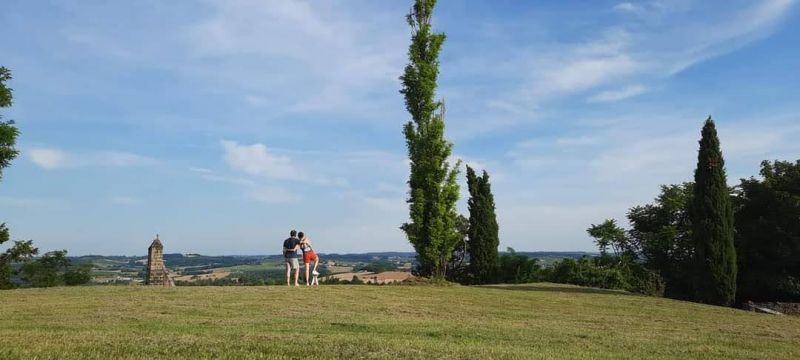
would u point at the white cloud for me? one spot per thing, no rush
(627, 7)
(257, 160)
(48, 158)
(200, 170)
(617, 95)
(52, 158)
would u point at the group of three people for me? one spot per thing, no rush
(299, 241)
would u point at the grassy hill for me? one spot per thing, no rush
(526, 321)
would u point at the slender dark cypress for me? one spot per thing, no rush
(483, 229)
(712, 224)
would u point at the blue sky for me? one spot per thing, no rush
(223, 124)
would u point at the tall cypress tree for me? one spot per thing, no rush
(712, 224)
(433, 190)
(483, 229)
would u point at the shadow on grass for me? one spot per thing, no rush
(568, 289)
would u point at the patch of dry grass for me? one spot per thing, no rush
(526, 321)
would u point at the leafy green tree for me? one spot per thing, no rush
(433, 190)
(609, 235)
(768, 234)
(21, 250)
(517, 268)
(713, 224)
(483, 229)
(47, 270)
(661, 237)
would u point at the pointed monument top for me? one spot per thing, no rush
(157, 242)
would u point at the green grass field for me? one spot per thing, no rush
(526, 321)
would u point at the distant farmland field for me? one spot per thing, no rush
(524, 321)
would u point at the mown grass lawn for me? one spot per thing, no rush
(525, 321)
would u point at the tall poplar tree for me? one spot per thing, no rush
(483, 229)
(712, 224)
(433, 190)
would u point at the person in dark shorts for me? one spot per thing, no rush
(290, 247)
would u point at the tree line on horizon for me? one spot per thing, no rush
(700, 241)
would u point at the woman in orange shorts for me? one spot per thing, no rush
(308, 255)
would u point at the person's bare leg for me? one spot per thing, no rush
(316, 262)
(306, 265)
(296, 276)
(288, 274)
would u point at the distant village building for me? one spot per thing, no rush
(156, 271)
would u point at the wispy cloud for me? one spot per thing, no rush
(49, 158)
(628, 59)
(619, 94)
(332, 58)
(627, 7)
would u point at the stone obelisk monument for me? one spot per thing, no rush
(156, 271)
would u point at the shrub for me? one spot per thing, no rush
(606, 272)
(78, 275)
(515, 268)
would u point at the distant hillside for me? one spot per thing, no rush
(262, 268)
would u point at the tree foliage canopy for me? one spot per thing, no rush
(661, 236)
(768, 233)
(609, 235)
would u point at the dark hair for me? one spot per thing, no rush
(301, 235)
(293, 233)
